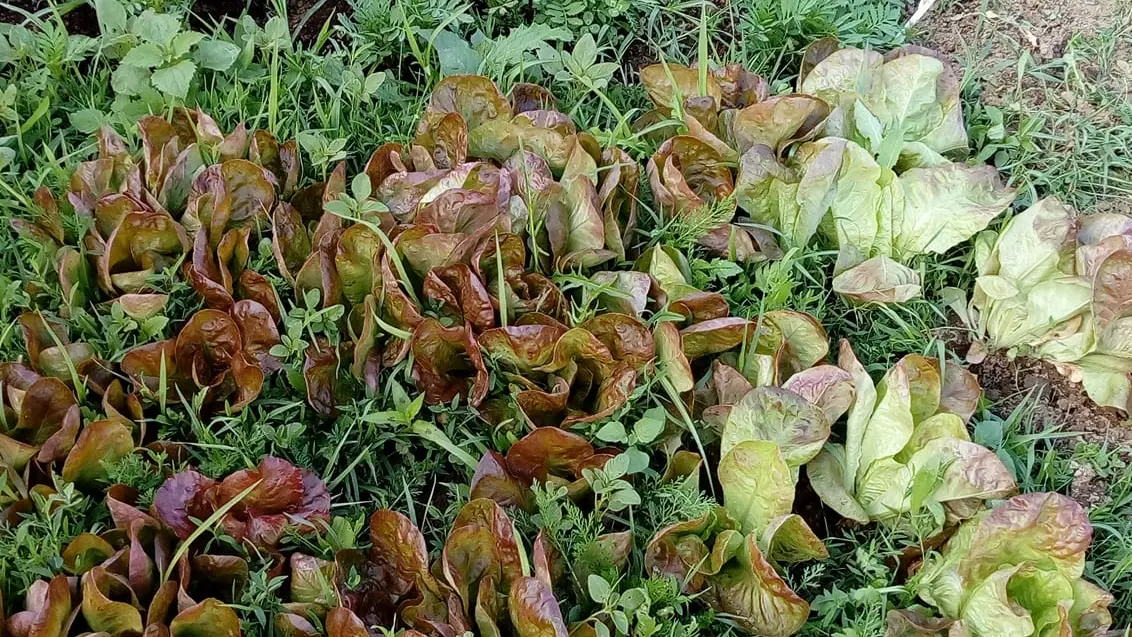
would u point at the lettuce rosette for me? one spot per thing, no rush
(1013, 570)
(710, 125)
(905, 101)
(482, 582)
(147, 211)
(448, 239)
(766, 433)
(43, 426)
(1055, 286)
(876, 184)
(137, 578)
(909, 430)
(225, 355)
(711, 557)
(266, 502)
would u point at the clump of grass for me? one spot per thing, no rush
(1056, 127)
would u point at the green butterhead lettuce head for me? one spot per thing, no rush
(872, 180)
(1058, 287)
(902, 432)
(732, 572)
(910, 94)
(797, 427)
(879, 220)
(1017, 570)
(756, 482)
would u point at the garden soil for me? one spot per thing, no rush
(310, 15)
(81, 20)
(1040, 27)
(1058, 405)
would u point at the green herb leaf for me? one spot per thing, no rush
(175, 80)
(144, 56)
(216, 55)
(157, 28)
(599, 588)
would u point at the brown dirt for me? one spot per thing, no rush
(1058, 405)
(1061, 404)
(989, 44)
(83, 20)
(79, 21)
(1117, 206)
(297, 10)
(638, 56)
(206, 13)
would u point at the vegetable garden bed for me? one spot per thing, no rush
(428, 319)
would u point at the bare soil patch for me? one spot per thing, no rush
(315, 13)
(1060, 403)
(81, 20)
(988, 44)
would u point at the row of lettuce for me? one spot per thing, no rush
(445, 252)
(856, 160)
(1014, 569)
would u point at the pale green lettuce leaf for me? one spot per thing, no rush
(827, 476)
(878, 280)
(917, 97)
(988, 609)
(795, 425)
(938, 426)
(890, 426)
(1107, 387)
(757, 486)
(749, 589)
(1089, 614)
(904, 97)
(859, 414)
(947, 204)
(841, 187)
(839, 79)
(911, 93)
(961, 470)
(1031, 247)
(941, 585)
(768, 192)
(1024, 319)
(882, 487)
(1046, 596)
(663, 266)
(671, 362)
(787, 538)
(918, 155)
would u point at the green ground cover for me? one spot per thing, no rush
(359, 314)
